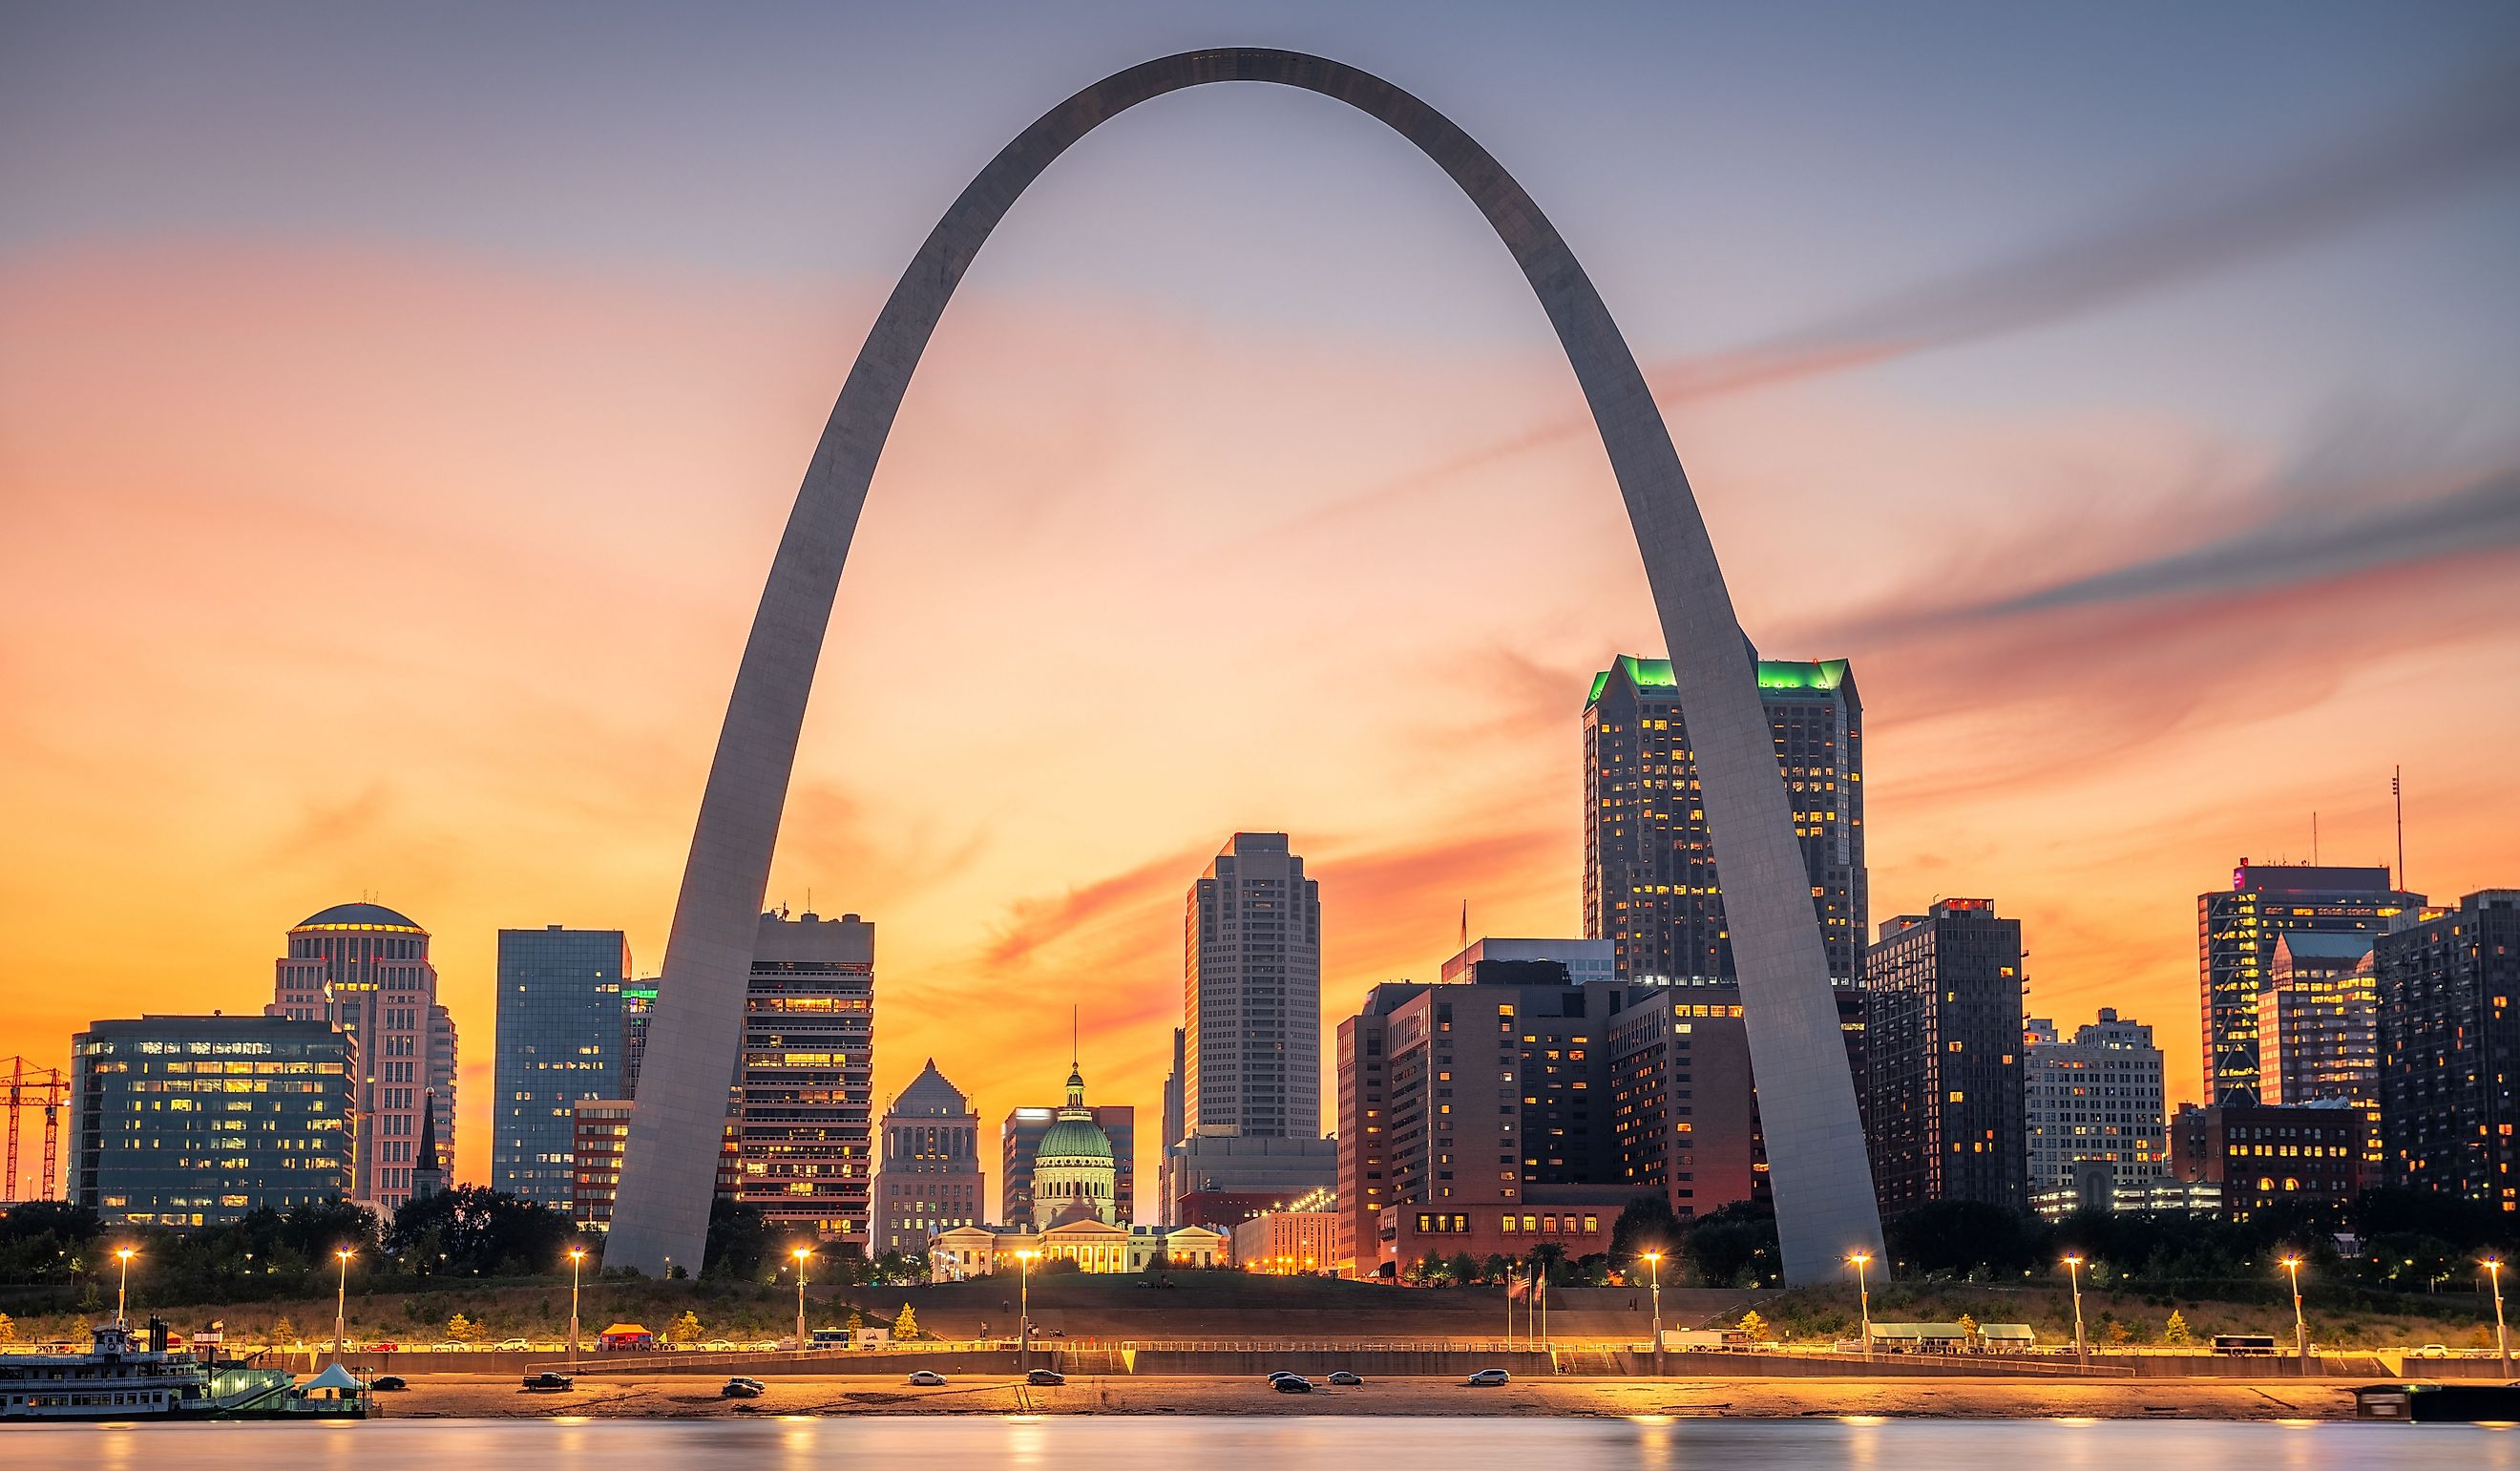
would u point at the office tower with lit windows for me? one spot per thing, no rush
(2094, 1100)
(1942, 1003)
(2318, 1028)
(1650, 886)
(2449, 1048)
(1251, 994)
(929, 1178)
(804, 1130)
(560, 1040)
(2236, 929)
(366, 969)
(638, 1004)
(183, 1121)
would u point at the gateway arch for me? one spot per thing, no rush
(1822, 1181)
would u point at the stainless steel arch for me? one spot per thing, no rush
(1822, 1181)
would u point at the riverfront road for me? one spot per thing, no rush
(682, 1396)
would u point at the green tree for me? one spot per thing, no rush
(685, 1330)
(1968, 1327)
(2175, 1332)
(8, 1328)
(285, 1331)
(2116, 1335)
(1497, 1268)
(1755, 1326)
(905, 1323)
(462, 1329)
(477, 1231)
(1646, 1224)
(1466, 1268)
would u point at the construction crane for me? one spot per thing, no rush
(44, 1088)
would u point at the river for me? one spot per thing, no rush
(1066, 1443)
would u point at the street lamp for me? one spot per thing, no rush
(340, 1297)
(2074, 1275)
(2300, 1329)
(122, 1292)
(576, 1255)
(1863, 1297)
(2501, 1344)
(1023, 1309)
(1654, 1275)
(802, 1254)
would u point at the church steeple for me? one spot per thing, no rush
(427, 1176)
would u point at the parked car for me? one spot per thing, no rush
(1050, 1377)
(740, 1387)
(388, 1383)
(1346, 1379)
(1488, 1379)
(515, 1346)
(717, 1346)
(450, 1347)
(549, 1381)
(1291, 1384)
(2430, 1351)
(387, 1347)
(927, 1379)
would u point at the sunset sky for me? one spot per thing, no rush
(398, 412)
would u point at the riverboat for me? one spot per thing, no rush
(122, 1377)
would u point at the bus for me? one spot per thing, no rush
(830, 1338)
(2245, 1345)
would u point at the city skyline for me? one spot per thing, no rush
(2153, 782)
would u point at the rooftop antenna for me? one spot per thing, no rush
(1075, 1046)
(1465, 925)
(2397, 796)
(2314, 839)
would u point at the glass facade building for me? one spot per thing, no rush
(560, 1041)
(2236, 931)
(188, 1121)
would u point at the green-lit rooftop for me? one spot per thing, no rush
(1773, 674)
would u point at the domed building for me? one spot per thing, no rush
(1073, 1173)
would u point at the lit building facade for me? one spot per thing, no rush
(2318, 1028)
(804, 1127)
(1251, 994)
(185, 1121)
(2449, 1048)
(1020, 1138)
(2261, 1155)
(2236, 931)
(1095, 1246)
(1942, 1016)
(929, 1178)
(598, 1130)
(560, 1040)
(2098, 1097)
(638, 1004)
(1287, 1243)
(366, 969)
(1650, 886)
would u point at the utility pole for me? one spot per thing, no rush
(2398, 798)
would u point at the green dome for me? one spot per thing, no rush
(1075, 1138)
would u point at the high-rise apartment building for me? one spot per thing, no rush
(188, 1120)
(1364, 1128)
(804, 1125)
(1251, 994)
(2236, 931)
(600, 1129)
(2099, 1098)
(366, 969)
(930, 1177)
(560, 1040)
(2449, 1048)
(638, 1004)
(1649, 881)
(1943, 998)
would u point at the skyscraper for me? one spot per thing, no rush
(2318, 1029)
(1251, 994)
(804, 1126)
(2095, 1098)
(366, 969)
(560, 1040)
(930, 1177)
(1650, 881)
(203, 1120)
(638, 1004)
(2449, 1048)
(1943, 994)
(2235, 938)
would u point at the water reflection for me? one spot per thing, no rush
(1167, 1444)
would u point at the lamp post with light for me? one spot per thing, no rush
(341, 1296)
(576, 1255)
(2074, 1275)
(2300, 1328)
(802, 1255)
(1653, 1285)
(1863, 1297)
(122, 1292)
(2501, 1344)
(1023, 1309)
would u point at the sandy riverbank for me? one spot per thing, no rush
(673, 1396)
